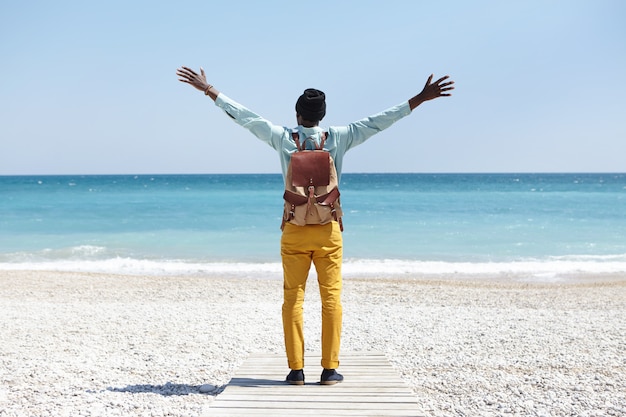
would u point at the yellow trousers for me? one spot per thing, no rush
(322, 245)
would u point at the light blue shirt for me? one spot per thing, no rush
(340, 139)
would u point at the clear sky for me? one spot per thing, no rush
(89, 87)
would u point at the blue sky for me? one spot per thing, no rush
(90, 87)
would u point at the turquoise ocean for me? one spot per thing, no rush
(542, 227)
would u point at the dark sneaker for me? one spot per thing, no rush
(296, 377)
(330, 377)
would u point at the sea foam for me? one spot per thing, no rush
(536, 270)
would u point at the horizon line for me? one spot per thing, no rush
(345, 173)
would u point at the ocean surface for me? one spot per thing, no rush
(534, 226)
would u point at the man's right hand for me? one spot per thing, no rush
(198, 81)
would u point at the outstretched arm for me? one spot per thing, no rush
(431, 91)
(198, 81)
(257, 125)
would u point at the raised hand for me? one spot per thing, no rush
(432, 90)
(189, 76)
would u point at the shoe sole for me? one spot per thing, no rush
(295, 382)
(329, 382)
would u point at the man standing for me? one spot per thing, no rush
(320, 242)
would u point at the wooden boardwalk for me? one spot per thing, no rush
(371, 388)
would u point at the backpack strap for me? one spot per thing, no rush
(324, 136)
(301, 147)
(296, 139)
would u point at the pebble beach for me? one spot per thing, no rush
(86, 344)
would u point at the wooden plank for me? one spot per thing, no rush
(313, 412)
(371, 388)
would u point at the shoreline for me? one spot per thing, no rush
(103, 344)
(387, 269)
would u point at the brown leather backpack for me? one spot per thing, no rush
(311, 186)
